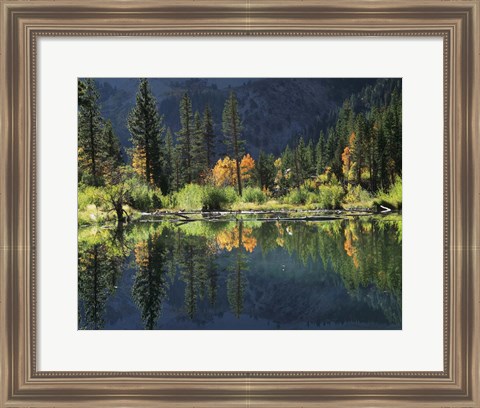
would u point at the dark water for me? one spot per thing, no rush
(343, 274)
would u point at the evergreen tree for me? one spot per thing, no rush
(112, 151)
(381, 153)
(146, 128)
(392, 125)
(320, 154)
(168, 162)
(185, 138)
(370, 148)
(330, 148)
(343, 130)
(177, 175)
(209, 136)
(287, 169)
(357, 145)
(90, 144)
(232, 128)
(299, 161)
(81, 91)
(309, 157)
(265, 170)
(199, 153)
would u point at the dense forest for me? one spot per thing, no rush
(351, 159)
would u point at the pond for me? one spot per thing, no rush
(243, 275)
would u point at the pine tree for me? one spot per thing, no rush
(199, 153)
(177, 169)
(81, 91)
(185, 138)
(146, 127)
(309, 155)
(265, 170)
(392, 126)
(357, 145)
(343, 130)
(299, 161)
(209, 136)
(112, 151)
(89, 133)
(320, 154)
(381, 153)
(232, 128)
(370, 148)
(169, 162)
(287, 167)
(330, 148)
(345, 123)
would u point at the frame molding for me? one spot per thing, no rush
(22, 22)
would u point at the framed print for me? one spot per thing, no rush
(244, 203)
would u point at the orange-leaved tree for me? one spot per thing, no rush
(224, 173)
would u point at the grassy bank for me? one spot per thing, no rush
(94, 206)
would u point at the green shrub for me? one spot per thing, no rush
(213, 198)
(312, 197)
(169, 201)
(296, 197)
(207, 198)
(253, 195)
(144, 197)
(393, 197)
(217, 198)
(231, 194)
(89, 195)
(330, 197)
(325, 196)
(190, 197)
(309, 185)
(357, 195)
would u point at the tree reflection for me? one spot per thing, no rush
(213, 265)
(236, 278)
(100, 260)
(150, 285)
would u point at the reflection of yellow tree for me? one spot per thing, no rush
(280, 236)
(141, 253)
(229, 239)
(349, 246)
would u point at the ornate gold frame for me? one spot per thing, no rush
(22, 22)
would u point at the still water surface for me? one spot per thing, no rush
(341, 274)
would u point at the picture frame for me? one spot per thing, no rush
(24, 22)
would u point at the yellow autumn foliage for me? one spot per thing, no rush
(230, 239)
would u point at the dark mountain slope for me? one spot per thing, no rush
(273, 109)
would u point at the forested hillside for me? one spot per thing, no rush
(272, 109)
(213, 144)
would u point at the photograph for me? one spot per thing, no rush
(239, 203)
